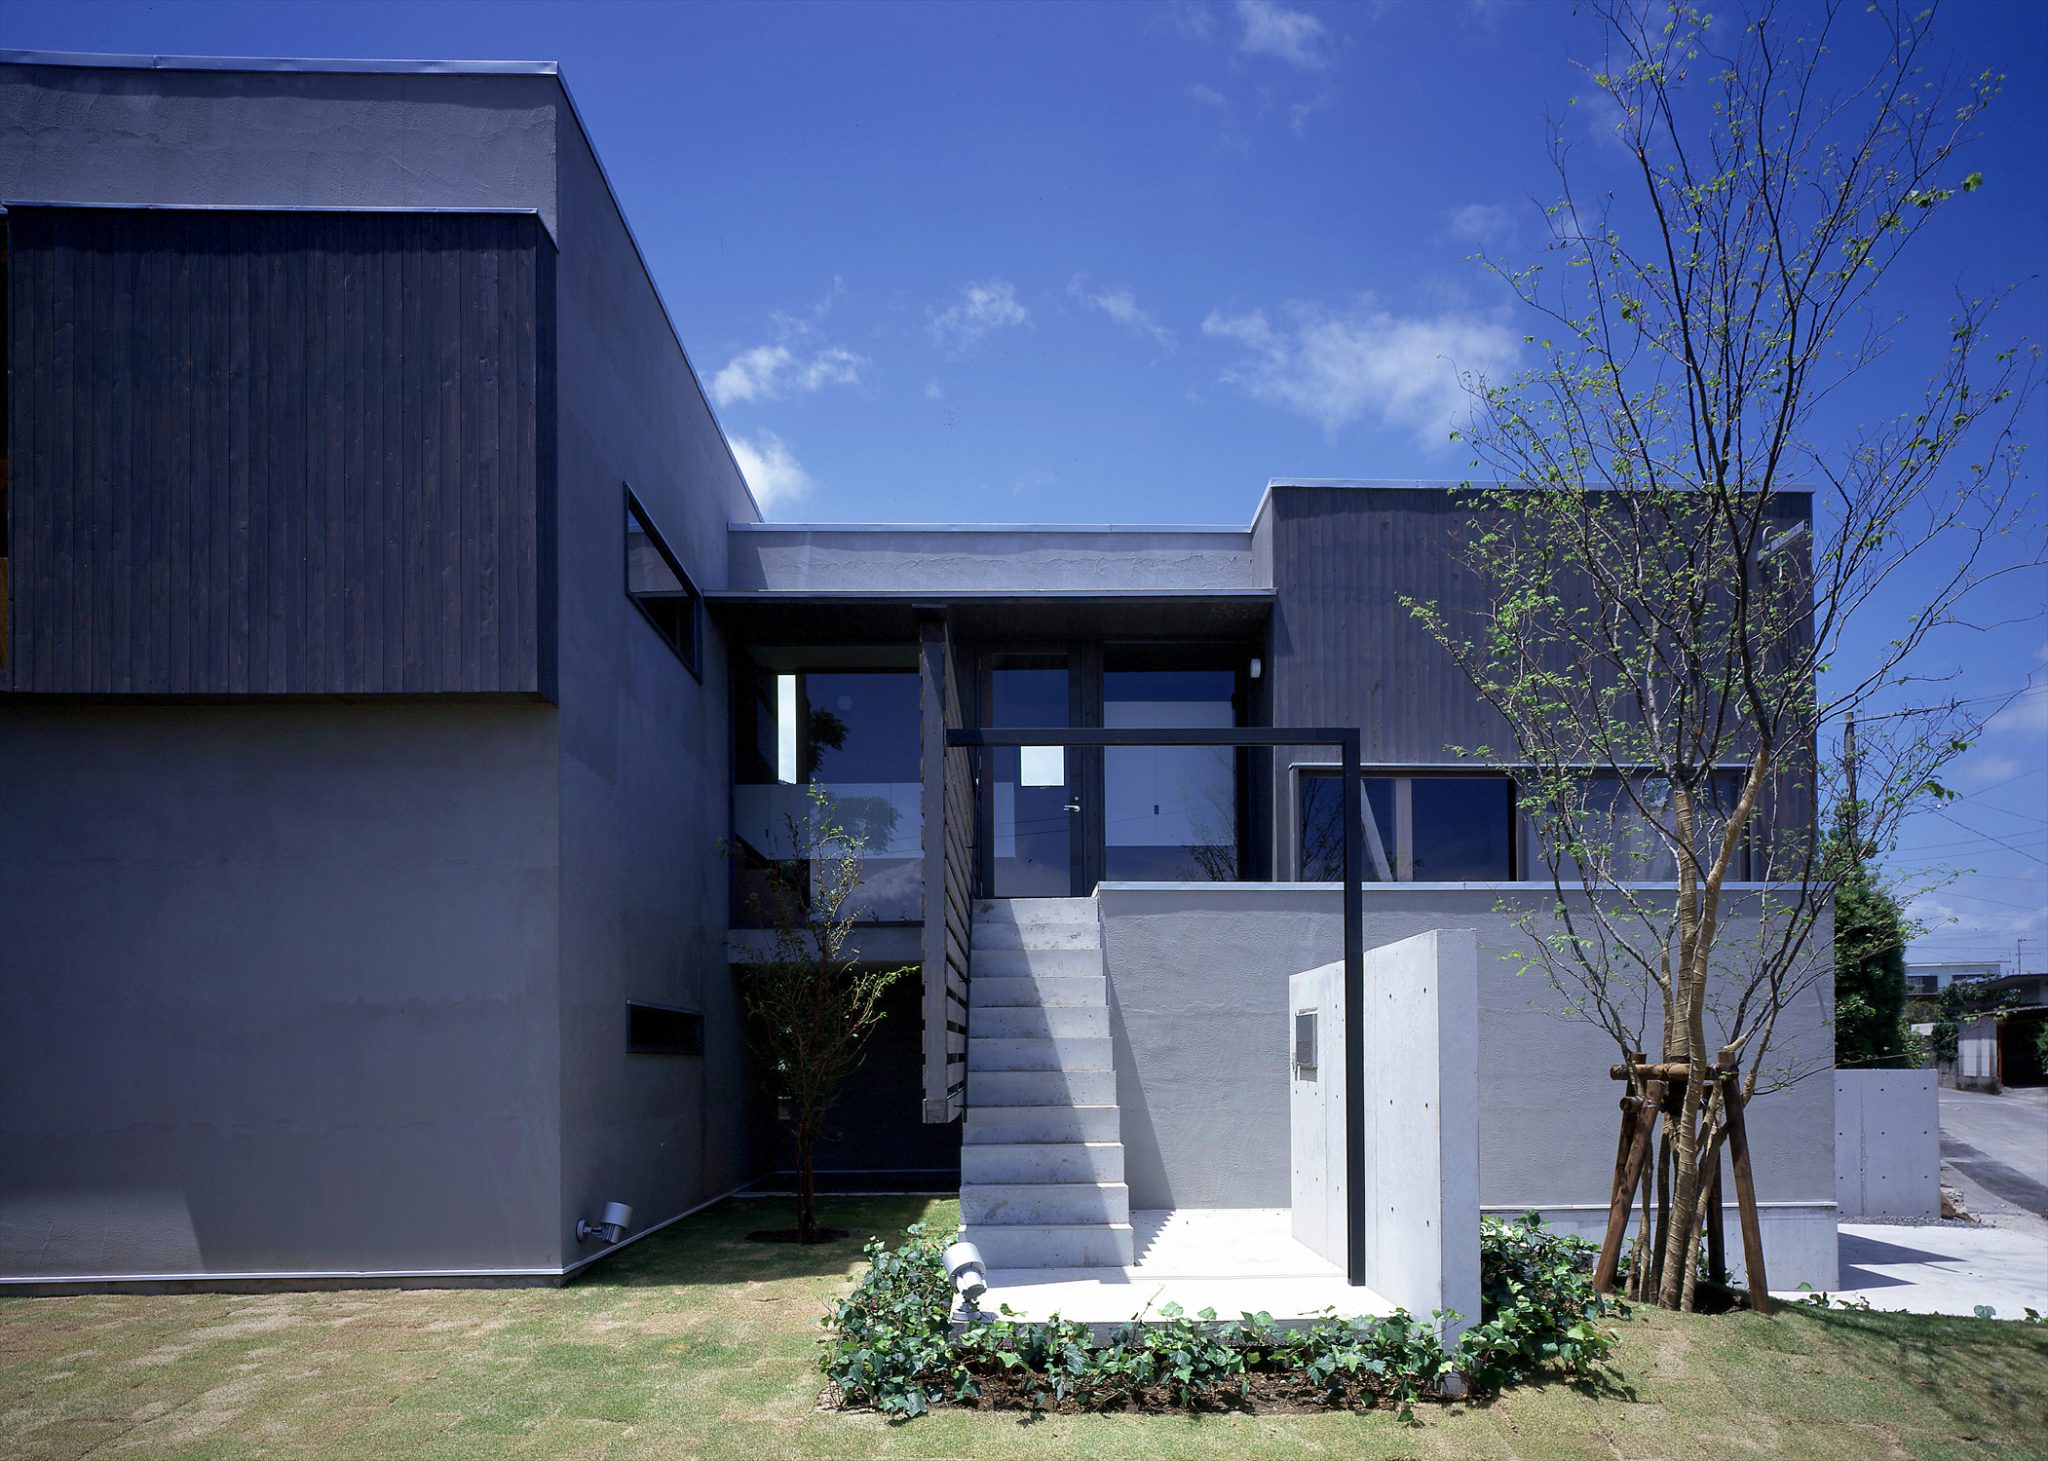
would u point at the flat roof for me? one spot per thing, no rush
(126, 61)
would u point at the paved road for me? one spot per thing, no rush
(1998, 1147)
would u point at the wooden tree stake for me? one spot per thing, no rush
(1639, 1113)
(1745, 1186)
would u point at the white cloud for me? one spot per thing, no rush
(797, 361)
(979, 312)
(1293, 36)
(1981, 767)
(1337, 368)
(771, 470)
(2025, 714)
(1209, 96)
(1481, 222)
(933, 390)
(1121, 305)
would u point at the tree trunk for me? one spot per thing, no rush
(806, 1189)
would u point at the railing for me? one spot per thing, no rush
(1346, 742)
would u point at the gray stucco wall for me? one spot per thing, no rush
(645, 746)
(277, 987)
(1198, 1012)
(272, 139)
(815, 558)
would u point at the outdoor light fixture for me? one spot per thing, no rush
(969, 1274)
(618, 1216)
(1258, 667)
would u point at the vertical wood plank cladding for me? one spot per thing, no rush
(281, 453)
(1345, 651)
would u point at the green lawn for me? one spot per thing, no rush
(698, 1343)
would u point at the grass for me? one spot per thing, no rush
(699, 1343)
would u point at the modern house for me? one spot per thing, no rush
(1932, 978)
(393, 654)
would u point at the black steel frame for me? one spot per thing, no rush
(1347, 742)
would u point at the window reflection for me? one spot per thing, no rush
(1429, 829)
(1170, 812)
(850, 726)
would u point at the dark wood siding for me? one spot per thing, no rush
(1346, 651)
(281, 453)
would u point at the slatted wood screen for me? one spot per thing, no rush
(281, 453)
(948, 867)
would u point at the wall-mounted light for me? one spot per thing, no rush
(1258, 667)
(618, 1216)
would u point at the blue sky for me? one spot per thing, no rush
(1123, 263)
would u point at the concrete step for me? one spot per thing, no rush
(1028, 1021)
(1016, 1125)
(1063, 1161)
(1071, 991)
(1013, 963)
(1089, 1245)
(1041, 1087)
(1034, 910)
(1037, 1053)
(985, 936)
(1045, 1204)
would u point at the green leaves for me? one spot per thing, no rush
(888, 1343)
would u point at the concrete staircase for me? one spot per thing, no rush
(1042, 1155)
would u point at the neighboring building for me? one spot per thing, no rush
(392, 644)
(1931, 979)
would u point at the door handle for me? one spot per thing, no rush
(1073, 806)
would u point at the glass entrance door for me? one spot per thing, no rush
(1033, 801)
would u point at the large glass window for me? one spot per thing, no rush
(1451, 828)
(656, 583)
(1170, 812)
(844, 721)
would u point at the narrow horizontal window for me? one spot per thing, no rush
(656, 583)
(657, 1029)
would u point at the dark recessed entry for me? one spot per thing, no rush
(656, 1029)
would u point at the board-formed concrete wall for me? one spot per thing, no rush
(1198, 995)
(1315, 1112)
(1420, 1204)
(1887, 1143)
(646, 749)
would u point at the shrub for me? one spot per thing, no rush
(889, 1344)
(1537, 1305)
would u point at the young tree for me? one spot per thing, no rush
(812, 1005)
(1870, 974)
(1666, 636)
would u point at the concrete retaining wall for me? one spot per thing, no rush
(1198, 1012)
(1887, 1143)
